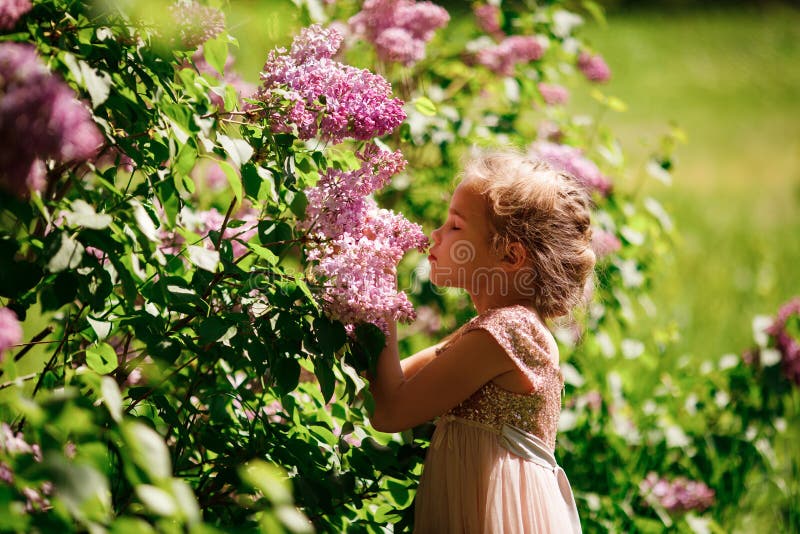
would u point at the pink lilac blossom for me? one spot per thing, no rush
(10, 330)
(594, 67)
(504, 57)
(11, 11)
(679, 495)
(488, 18)
(337, 203)
(196, 23)
(307, 93)
(40, 119)
(399, 29)
(604, 243)
(553, 94)
(355, 246)
(785, 342)
(360, 281)
(571, 160)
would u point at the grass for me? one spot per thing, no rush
(729, 79)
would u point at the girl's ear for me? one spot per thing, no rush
(515, 257)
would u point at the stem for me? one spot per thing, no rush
(34, 341)
(225, 223)
(22, 378)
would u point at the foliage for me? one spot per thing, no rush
(196, 377)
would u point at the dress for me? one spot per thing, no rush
(490, 467)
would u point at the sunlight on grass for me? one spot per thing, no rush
(726, 79)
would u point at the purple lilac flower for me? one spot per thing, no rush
(10, 330)
(305, 90)
(503, 57)
(594, 67)
(571, 160)
(679, 495)
(11, 11)
(337, 203)
(399, 29)
(39, 119)
(196, 23)
(553, 94)
(604, 243)
(488, 19)
(356, 246)
(785, 342)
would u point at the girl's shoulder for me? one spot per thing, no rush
(518, 330)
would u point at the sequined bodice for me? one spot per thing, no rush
(520, 333)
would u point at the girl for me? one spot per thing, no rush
(517, 240)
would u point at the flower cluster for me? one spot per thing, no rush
(11, 11)
(786, 332)
(604, 243)
(594, 67)
(10, 330)
(308, 92)
(553, 94)
(355, 245)
(39, 119)
(511, 51)
(488, 18)
(679, 495)
(399, 29)
(196, 23)
(571, 160)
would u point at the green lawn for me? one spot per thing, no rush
(731, 80)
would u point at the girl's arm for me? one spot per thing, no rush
(434, 384)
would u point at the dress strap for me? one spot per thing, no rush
(531, 448)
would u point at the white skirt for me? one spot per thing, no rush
(477, 480)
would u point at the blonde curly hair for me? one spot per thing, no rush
(545, 210)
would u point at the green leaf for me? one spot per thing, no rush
(216, 53)
(204, 258)
(239, 151)
(112, 397)
(299, 204)
(102, 358)
(68, 255)
(233, 180)
(268, 479)
(84, 215)
(83, 489)
(147, 450)
(264, 253)
(156, 500)
(425, 106)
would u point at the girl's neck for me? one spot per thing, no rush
(483, 302)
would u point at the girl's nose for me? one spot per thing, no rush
(435, 235)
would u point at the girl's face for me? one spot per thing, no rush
(461, 255)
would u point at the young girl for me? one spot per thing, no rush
(517, 240)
